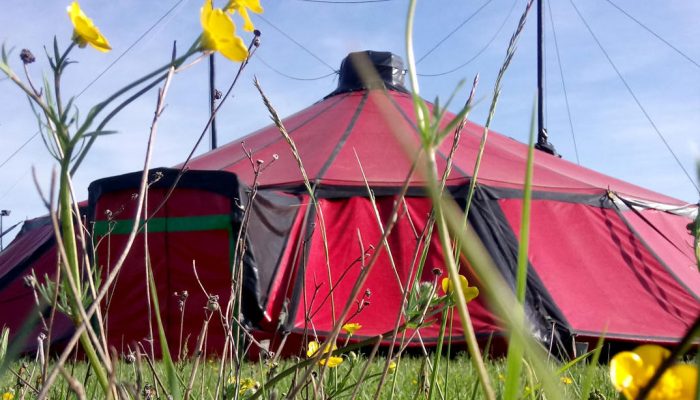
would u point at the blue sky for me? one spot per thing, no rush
(612, 134)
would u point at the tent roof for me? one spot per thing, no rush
(377, 126)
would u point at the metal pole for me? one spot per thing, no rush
(541, 138)
(542, 143)
(3, 213)
(212, 100)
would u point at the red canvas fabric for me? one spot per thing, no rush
(17, 301)
(600, 274)
(346, 221)
(668, 237)
(23, 247)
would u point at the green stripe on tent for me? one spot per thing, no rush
(168, 224)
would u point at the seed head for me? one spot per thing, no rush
(30, 281)
(213, 303)
(26, 56)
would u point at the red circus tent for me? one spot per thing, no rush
(606, 257)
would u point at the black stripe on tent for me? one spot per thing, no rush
(610, 335)
(299, 251)
(343, 139)
(267, 236)
(490, 224)
(591, 199)
(344, 191)
(653, 253)
(298, 291)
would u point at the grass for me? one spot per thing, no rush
(409, 381)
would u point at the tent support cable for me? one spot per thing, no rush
(634, 96)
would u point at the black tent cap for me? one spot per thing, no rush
(389, 69)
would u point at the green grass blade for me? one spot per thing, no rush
(4, 337)
(167, 359)
(587, 384)
(515, 348)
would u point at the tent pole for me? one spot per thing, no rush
(542, 143)
(212, 100)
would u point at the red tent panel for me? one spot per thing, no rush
(18, 304)
(344, 218)
(328, 120)
(23, 247)
(600, 274)
(668, 237)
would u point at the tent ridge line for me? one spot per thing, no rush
(336, 191)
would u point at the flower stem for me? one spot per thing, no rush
(438, 354)
(66, 219)
(436, 197)
(73, 267)
(462, 310)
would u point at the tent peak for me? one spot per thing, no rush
(385, 70)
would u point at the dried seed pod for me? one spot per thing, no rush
(26, 56)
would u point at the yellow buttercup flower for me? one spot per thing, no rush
(470, 292)
(630, 371)
(311, 351)
(84, 30)
(351, 327)
(566, 380)
(220, 33)
(8, 396)
(392, 366)
(248, 386)
(242, 6)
